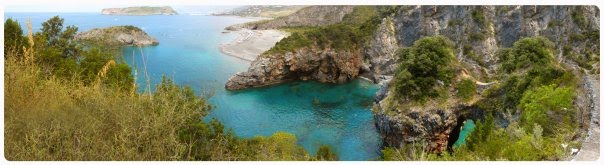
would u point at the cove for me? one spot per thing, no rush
(337, 115)
(467, 128)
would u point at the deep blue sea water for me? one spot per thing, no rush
(318, 114)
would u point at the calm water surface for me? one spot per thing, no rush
(318, 114)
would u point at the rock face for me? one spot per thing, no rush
(308, 16)
(142, 10)
(117, 35)
(329, 66)
(380, 54)
(503, 26)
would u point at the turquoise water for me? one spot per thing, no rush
(467, 128)
(318, 114)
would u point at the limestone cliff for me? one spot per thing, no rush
(117, 35)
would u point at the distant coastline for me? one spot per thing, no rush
(140, 11)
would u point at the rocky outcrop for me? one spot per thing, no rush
(141, 10)
(308, 16)
(117, 35)
(381, 52)
(323, 65)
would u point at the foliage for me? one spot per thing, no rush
(423, 65)
(63, 114)
(478, 36)
(554, 22)
(360, 15)
(466, 89)
(455, 22)
(338, 36)
(352, 33)
(14, 41)
(550, 107)
(325, 153)
(579, 17)
(507, 96)
(467, 50)
(527, 52)
(478, 17)
(60, 55)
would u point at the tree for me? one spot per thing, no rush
(14, 41)
(423, 66)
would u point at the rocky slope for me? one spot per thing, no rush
(308, 16)
(117, 35)
(141, 10)
(477, 43)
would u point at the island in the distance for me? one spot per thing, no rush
(117, 35)
(140, 10)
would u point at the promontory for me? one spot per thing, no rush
(117, 35)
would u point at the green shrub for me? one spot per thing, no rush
(554, 22)
(425, 63)
(527, 52)
(455, 22)
(478, 36)
(478, 17)
(549, 106)
(466, 89)
(467, 50)
(579, 18)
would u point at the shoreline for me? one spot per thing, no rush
(249, 44)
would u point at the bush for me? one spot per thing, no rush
(527, 52)
(423, 65)
(478, 17)
(579, 18)
(549, 106)
(466, 89)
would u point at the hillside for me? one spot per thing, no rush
(307, 16)
(140, 10)
(267, 11)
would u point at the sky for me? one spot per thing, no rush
(97, 5)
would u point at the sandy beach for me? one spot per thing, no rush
(251, 43)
